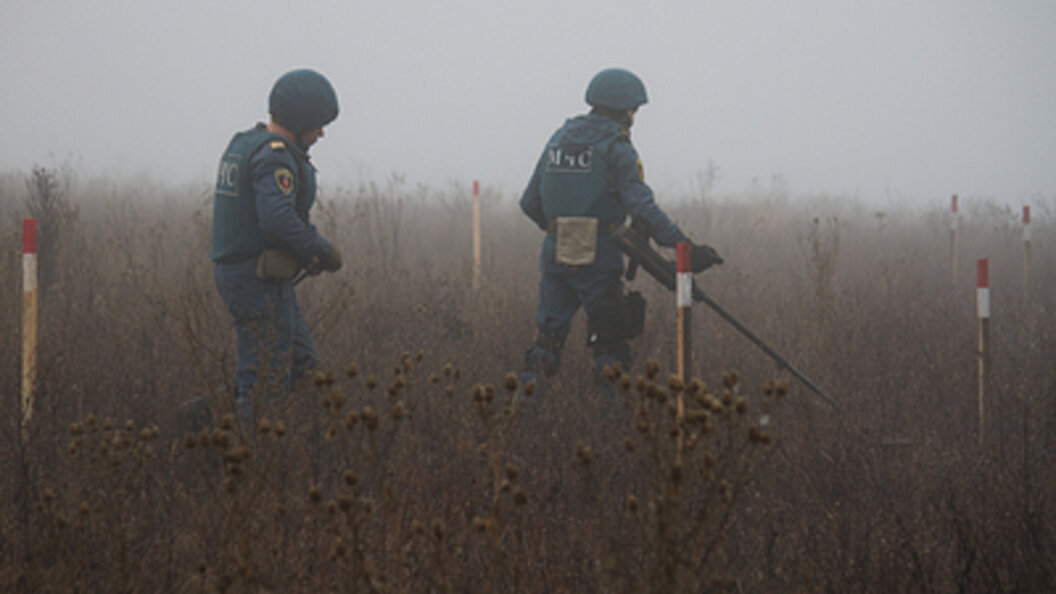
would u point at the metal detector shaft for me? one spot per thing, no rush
(637, 247)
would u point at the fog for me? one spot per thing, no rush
(885, 101)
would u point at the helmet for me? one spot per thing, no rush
(302, 100)
(616, 88)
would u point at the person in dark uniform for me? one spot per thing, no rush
(262, 236)
(587, 182)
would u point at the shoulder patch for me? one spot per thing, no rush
(284, 179)
(641, 171)
(277, 145)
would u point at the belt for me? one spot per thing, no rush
(604, 229)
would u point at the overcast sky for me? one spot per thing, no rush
(879, 99)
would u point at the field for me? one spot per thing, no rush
(402, 466)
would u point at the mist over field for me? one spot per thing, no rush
(405, 466)
(885, 101)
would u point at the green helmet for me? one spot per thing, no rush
(616, 88)
(303, 100)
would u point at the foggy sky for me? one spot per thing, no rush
(903, 100)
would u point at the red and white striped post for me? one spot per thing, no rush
(982, 300)
(476, 236)
(29, 320)
(1026, 251)
(684, 303)
(954, 224)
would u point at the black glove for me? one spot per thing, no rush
(703, 257)
(330, 261)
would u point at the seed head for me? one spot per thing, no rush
(438, 529)
(625, 381)
(529, 388)
(76, 429)
(675, 383)
(417, 528)
(350, 478)
(370, 418)
(264, 426)
(725, 492)
(345, 503)
(227, 422)
(398, 411)
(696, 387)
(447, 370)
(652, 367)
(676, 473)
(730, 379)
(512, 472)
(280, 428)
(584, 454)
(510, 382)
(352, 370)
(756, 435)
(351, 419)
(628, 444)
(237, 454)
(315, 495)
(372, 382)
(741, 406)
(632, 503)
(782, 388)
(519, 496)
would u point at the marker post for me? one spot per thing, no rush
(982, 300)
(29, 321)
(954, 224)
(476, 236)
(684, 304)
(1026, 252)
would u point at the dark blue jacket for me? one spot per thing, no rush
(265, 188)
(590, 168)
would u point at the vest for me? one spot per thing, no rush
(576, 182)
(236, 232)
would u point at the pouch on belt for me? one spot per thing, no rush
(275, 265)
(577, 240)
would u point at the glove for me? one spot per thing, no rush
(330, 261)
(703, 257)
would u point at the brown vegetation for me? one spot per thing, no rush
(404, 466)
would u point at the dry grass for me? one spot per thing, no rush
(404, 466)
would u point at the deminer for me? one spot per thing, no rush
(262, 237)
(586, 184)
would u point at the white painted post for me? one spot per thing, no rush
(29, 321)
(982, 300)
(476, 236)
(1026, 252)
(954, 224)
(684, 303)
